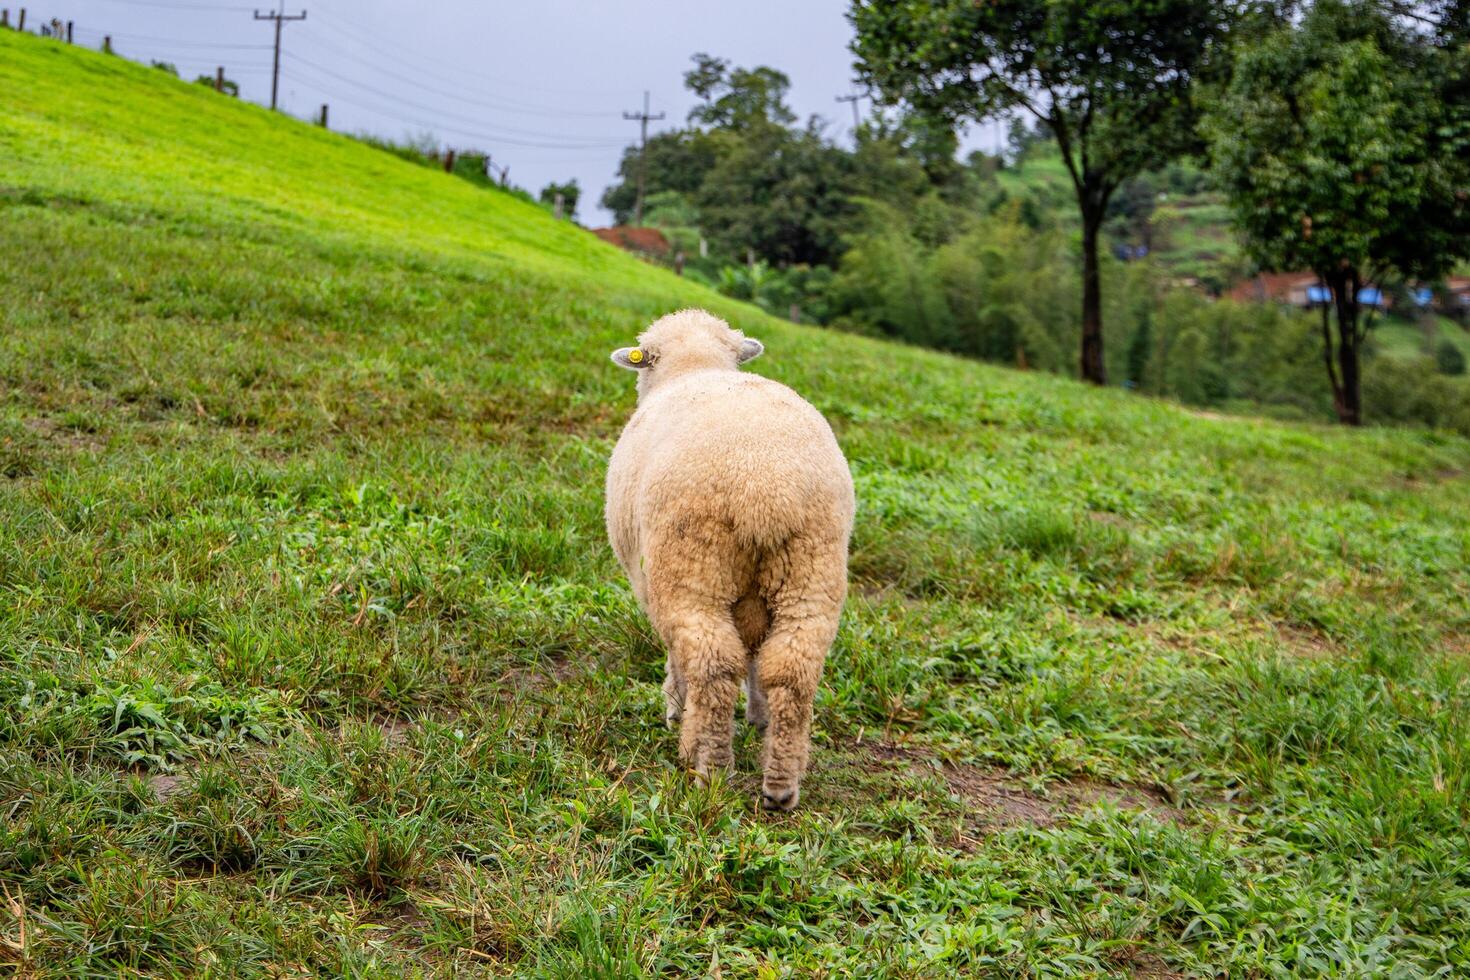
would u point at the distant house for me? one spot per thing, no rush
(1454, 299)
(648, 242)
(1456, 296)
(1302, 290)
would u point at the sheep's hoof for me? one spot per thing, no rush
(757, 721)
(705, 774)
(780, 802)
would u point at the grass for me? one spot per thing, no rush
(313, 658)
(1403, 338)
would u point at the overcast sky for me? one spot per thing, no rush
(541, 85)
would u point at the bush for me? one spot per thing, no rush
(1410, 391)
(1449, 359)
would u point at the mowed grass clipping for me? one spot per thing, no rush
(314, 660)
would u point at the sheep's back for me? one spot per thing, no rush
(737, 450)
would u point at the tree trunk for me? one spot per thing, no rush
(1092, 337)
(1348, 393)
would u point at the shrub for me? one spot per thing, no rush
(1449, 359)
(1410, 391)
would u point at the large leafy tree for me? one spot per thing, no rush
(1342, 154)
(677, 161)
(1113, 81)
(738, 98)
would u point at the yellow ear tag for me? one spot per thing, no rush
(635, 356)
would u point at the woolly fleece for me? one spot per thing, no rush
(730, 505)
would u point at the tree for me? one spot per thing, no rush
(228, 86)
(1338, 155)
(677, 161)
(738, 98)
(569, 192)
(782, 194)
(1113, 82)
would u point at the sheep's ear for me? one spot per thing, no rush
(632, 358)
(750, 349)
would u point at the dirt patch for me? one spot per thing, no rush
(1301, 642)
(397, 731)
(996, 800)
(1457, 645)
(58, 434)
(1085, 792)
(165, 786)
(1145, 966)
(548, 674)
(1417, 481)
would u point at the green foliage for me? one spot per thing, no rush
(1413, 391)
(1340, 155)
(1003, 291)
(1322, 142)
(301, 511)
(677, 161)
(228, 86)
(1118, 81)
(739, 99)
(777, 290)
(167, 67)
(570, 193)
(1449, 359)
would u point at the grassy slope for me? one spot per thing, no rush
(1398, 337)
(313, 658)
(1192, 232)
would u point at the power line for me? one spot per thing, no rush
(496, 105)
(420, 61)
(177, 42)
(166, 5)
(279, 16)
(469, 134)
(474, 125)
(191, 63)
(643, 120)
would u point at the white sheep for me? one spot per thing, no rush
(730, 505)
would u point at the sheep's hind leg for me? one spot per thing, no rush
(790, 666)
(711, 659)
(674, 693)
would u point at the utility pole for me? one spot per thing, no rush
(643, 120)
(279, 15)
(856, 120)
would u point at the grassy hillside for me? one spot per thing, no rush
(314, 661)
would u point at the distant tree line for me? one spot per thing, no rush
(1336, 132)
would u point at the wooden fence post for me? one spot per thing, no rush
(107, 44)
(68, 32)
(219, 79)
(5, 17)
(20, 24)
(449, 161)
(324, 116)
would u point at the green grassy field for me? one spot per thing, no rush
(1398, 337)
(314, 660)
